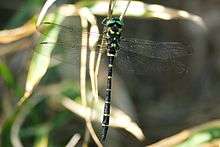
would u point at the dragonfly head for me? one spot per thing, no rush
(114, 27)
(113, 22)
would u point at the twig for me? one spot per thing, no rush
(180, 137)
(84, 25)
(23, 112)
(74, 140)
(171, 141)
(8, 36)
(84, 15)
(43, 11)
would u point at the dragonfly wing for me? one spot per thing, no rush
(68, 32)
(60, 51)
(153, 49)
(63, 54)
(142, 65)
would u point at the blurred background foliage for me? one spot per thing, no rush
(160, 106)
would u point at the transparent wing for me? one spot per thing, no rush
(135, 55)
(150, 49)
(126, 61)
(153, 49)
(69, 34)
(141, 65)
(66, 61)
(63, 53)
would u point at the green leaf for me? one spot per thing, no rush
(43, 135)
(41, 57)
(201, 137)
(6, 130)
(7, 75)
(25, 12)
(9, 79)
(11, 126)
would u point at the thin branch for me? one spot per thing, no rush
(74, 140)
(84, 14)
(22, 114)
(43, 11)
(8, 36)
(183, 135)
(83, 61)
(84, 24)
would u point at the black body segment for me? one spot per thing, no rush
(114, 28)
(106, 115)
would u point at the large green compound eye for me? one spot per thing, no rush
(118, 21)
(114, 21)
(110, 22)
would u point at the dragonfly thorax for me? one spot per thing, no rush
(113, 33)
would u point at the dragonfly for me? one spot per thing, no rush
(128, 54)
